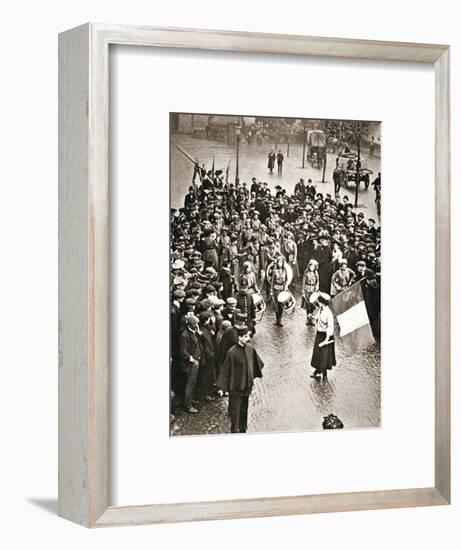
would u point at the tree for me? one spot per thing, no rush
(353, 132)
(356, 132)
(333, 130)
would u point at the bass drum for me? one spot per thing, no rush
(270, 269)
(288, 302)
(260, 306)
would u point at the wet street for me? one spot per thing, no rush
(286, 398)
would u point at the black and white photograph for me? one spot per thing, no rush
(275, 274)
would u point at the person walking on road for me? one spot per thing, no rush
(271, 161)
(280, 158)
(239, 370)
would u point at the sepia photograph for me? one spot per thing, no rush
(275, 274)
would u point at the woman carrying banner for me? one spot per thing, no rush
(323, 356)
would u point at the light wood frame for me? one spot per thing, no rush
(84, 274)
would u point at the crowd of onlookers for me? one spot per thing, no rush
(222, 240)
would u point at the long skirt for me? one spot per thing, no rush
(323, 358)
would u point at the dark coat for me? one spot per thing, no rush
(218, 322)
(352, 257)
(271, 160)
(228, 339)
(207, 337)
(371, 293)
(225, 276)
(300, 190)
(228, 314)
(189, 345)
(207, 374)
(324, 256)
(246, 305)
(175, 318)
(237, 376)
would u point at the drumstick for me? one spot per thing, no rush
(325, 343)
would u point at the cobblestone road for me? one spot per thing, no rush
(286, 398)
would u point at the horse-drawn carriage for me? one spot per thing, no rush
(316, 148)
(347, 165)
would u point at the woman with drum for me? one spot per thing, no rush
(309, 286)
(278, 284)
(248, 271)
(323, 356)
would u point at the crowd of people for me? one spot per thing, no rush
(234, 245)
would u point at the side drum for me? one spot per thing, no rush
(260, 306)
(288, 302)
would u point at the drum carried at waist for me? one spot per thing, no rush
(260, 306)
(288, 302)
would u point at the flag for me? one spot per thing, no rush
(351, 314)
(212, 169)
(227, 172)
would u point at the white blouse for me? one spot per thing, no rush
(325, 321)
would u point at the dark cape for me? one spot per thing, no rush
(228, 339)
(237, 376)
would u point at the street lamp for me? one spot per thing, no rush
(238, 130)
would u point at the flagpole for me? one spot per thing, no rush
(196, 165)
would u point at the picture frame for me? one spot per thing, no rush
(84, 293)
